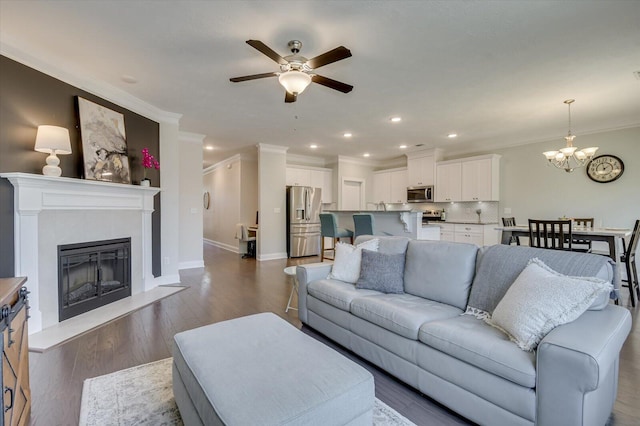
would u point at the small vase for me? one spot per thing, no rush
(145, 182)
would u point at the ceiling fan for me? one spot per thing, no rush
(296, 71)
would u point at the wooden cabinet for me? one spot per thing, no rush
(469, 179)
(448, 182)
(15, 351)
(314, 177)
(390, 186)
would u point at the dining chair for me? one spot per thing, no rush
(578, 244)
(550, 234)
(511, 221)
(329, 228)
(242, 234)
(363, 224)
(629, 260)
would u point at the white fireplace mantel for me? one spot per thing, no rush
(34, 194)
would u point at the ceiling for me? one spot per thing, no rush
(494, 72)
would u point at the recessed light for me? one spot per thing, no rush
(366, 154)
(209, 148)
(313, 146)
(396, 119)
(452, 135)
(347, 135)
(403, 147)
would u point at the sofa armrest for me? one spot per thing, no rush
(305, 274)
(576, 359)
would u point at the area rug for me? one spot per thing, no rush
(143, 395)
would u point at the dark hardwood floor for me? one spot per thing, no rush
(231, 287)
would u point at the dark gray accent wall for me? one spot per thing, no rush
(29, 98)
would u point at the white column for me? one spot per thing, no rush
(26, 259)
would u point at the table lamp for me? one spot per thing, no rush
(53, 140)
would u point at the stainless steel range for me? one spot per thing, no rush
(431, 216)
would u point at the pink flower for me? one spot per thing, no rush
(148, 161)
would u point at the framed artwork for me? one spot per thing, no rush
(104, 143)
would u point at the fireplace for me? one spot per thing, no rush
(92, 274)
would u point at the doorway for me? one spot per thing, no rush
(352, 194)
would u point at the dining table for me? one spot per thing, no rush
(612, 236)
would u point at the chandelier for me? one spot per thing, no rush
(570, 157)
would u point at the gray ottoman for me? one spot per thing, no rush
(261, 370)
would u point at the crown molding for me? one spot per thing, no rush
(188, 137)
(224, 163)
(278, 149)
(45, 64)
(305, 160)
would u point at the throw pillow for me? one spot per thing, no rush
(381, 272)
(346, 263)
(541, 299)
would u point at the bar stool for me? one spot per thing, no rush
(363, 223)
(329, 229)
(291, 272)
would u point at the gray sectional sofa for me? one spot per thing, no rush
(423, 337)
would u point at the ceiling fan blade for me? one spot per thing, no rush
(334, 55)
(332, 84)
(258, 45)
(253, 77)
(288, 97)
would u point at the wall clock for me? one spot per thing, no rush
(605, 168)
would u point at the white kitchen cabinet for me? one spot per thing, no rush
(314, 177)
(472, 234)
(447, 232)
(297, 176)
(448, 182)
(390, 186)
(421, 167)
(480, 179)
(398, 186)
(468, 179)
(381, 187)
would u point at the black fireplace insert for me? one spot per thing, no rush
(92, 274)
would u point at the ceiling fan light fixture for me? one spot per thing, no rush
(294, 81)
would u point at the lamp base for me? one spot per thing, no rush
(52, 169)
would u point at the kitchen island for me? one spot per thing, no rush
(406, 223)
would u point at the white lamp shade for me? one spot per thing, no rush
(294, 81)
(52, 139)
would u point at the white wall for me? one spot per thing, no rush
(190, 205)
(170, 199)
(249, 190)
(222, 180)
(532, 189)
(272, 164)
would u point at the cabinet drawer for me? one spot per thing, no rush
(447, 227)
(468, 228)
(447, 236)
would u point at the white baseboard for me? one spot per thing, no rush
(271, 256)
(223, 246)
(191, 264)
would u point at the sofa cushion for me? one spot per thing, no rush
(337, 293)
(346, 265)
(388, 244)
(401, 313)
(500, 265)
(440, 271)
(381, 272)
(541, 299)
(477, 343)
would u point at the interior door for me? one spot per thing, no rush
(352, 194)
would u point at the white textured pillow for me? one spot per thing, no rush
(346, 264)
(541, 299)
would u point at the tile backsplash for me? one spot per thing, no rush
(466, 212)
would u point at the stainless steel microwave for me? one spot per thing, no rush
(420, 194)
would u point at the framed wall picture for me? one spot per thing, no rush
(104, 143)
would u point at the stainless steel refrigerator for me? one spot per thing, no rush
(303, 221)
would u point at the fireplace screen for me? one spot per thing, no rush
(92, 274)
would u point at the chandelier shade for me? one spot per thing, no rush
(294, 81)
(570, 157)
